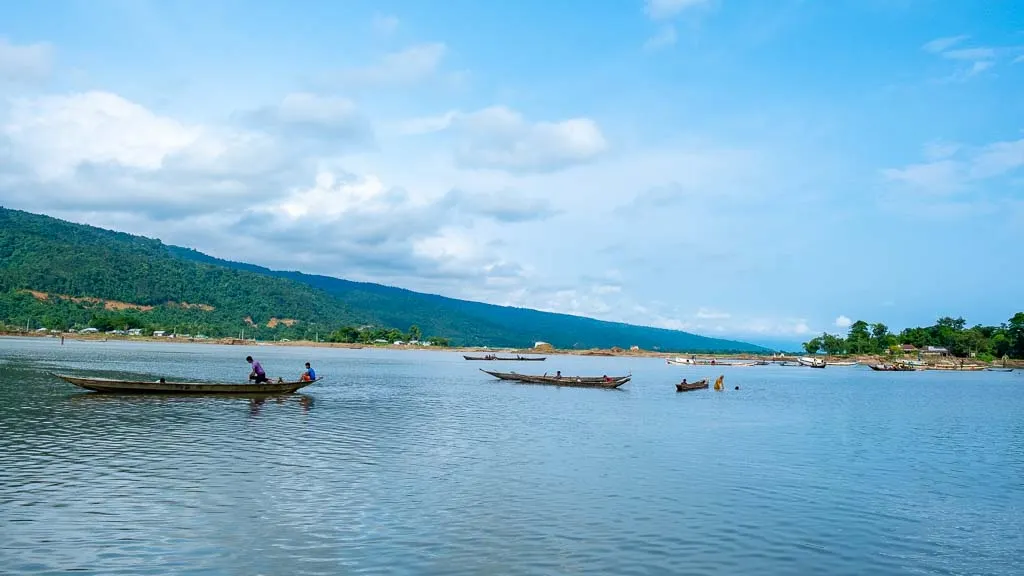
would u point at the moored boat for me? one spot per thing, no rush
(955, 368)
(517, 358)
(688, 386)
(898, 367)
(842, 363)
(999, 369)
(811, 362)
(577, 381)
(163, 387)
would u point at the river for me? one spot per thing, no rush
(418, 463)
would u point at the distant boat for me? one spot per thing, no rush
(956, 368)
(999, 369)
(691, 362)
(842, 363)
(161, 387)
(507, 358)
(811, 362)
(575, 381)
(698, 385)
(898, 367)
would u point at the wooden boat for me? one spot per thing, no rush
(893, 367)
(956, 368)
(842, 363)
(698, 385)
(811, 362)
(999, 369)
(689, 362)
(576, 381)
(507, 359)
(137, 387)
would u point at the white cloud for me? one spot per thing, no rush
(307, 115)
(970, 54)
(709, 314)
(940, 45)
(843, 322)
(662, 9)
(57, 134)
(501, 138)
(385, 25)
(24, 62)
(409, 66)
(664, 38)
(939, 177)
(959, 167)
(428, 124)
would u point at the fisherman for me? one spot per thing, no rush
(308, 375)
(558, 374)
(257, 373)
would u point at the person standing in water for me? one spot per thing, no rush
(257, 373)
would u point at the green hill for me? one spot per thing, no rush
(82, 275)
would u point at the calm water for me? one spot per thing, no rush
(417, 463)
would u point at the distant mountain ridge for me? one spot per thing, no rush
(50, 255)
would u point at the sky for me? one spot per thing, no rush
(758, 170)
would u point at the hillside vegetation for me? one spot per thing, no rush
(57, 274)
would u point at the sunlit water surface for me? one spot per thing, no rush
(418, 463)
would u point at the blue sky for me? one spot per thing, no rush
(762, 170)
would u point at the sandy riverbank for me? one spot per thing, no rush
(476, 350)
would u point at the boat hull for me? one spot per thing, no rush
(501, 359)
(689, 386)
(107, 385)
(571, 381)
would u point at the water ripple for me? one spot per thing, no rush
(415, 463)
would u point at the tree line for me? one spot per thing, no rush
(984, 342)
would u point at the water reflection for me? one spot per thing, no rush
(417, 463)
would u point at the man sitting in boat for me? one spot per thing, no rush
(257, 373)
(308, 375)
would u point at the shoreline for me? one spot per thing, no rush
(613, 352)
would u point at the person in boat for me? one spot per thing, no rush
(606, 378)
(683, 383)
(257, 373)
(308, 375)
(558, 374)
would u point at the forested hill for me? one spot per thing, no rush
(58, 274)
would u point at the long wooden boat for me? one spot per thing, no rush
(957, 368)
(507, 358)
(160, 387)
(999, 369)
(893, 367)
(689, 362)
(698, 385)
(576, 381)
(842, 363)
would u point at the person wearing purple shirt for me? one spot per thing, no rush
(257, 373)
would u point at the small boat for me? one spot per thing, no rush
(507, 359)
(576, 381)
(898, 367)
(162, 387)
(842, 363)
(999, 369)
(811, 362)
(698, 385)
